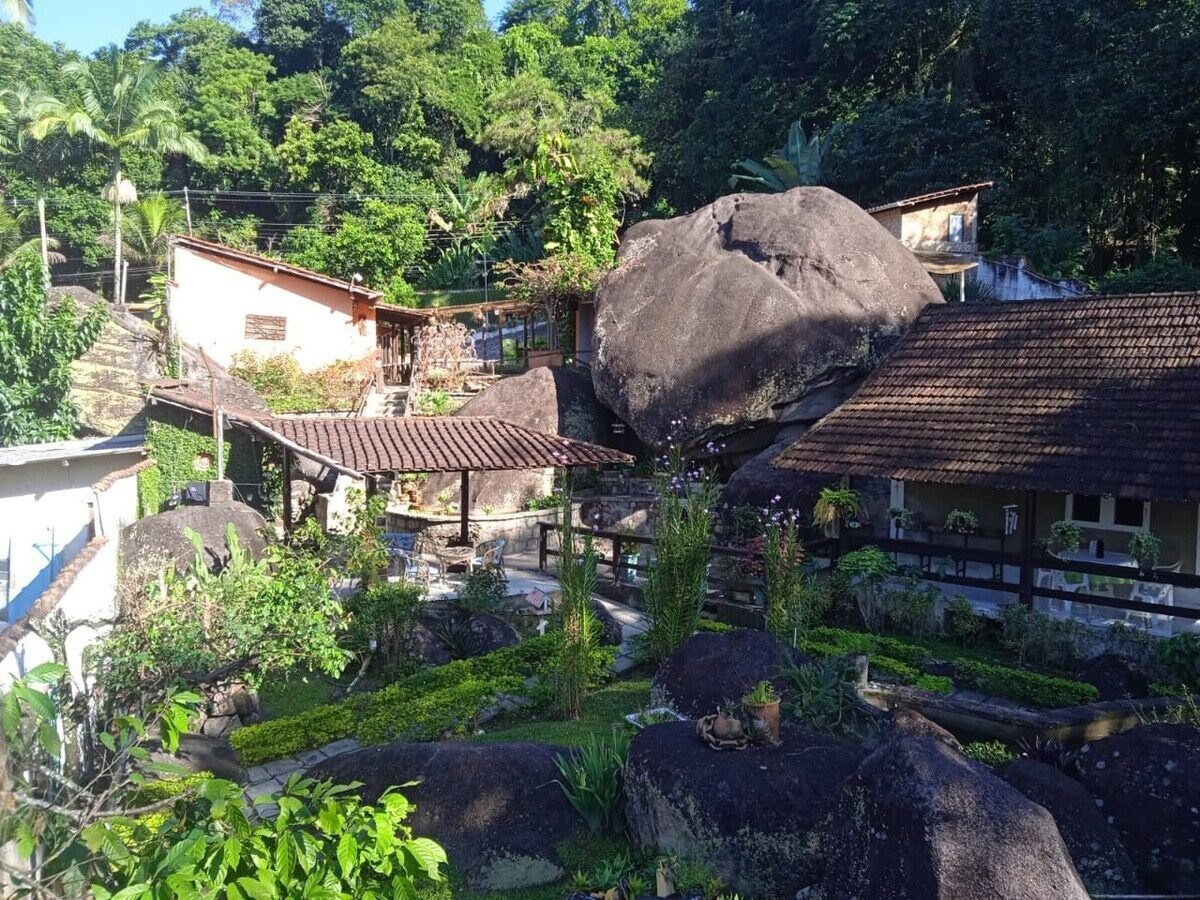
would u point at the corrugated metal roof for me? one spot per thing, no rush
(68, 450)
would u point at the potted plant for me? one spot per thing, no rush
(835, 507)
(1146, 548)
(962, 521)
(727, 726)
(762, 706)
(901, 517)
(1064, 537)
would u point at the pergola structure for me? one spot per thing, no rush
(369, 447)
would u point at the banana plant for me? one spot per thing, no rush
(799, 162)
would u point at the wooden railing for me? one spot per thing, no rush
(928, 553)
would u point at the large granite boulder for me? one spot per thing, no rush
(1146, 781)
(917, 819)
(495, 808)
(709, 669)
(107, 382)
(757, 483)
(730, 315)
(1115, 676)
(755, 816)
(553, 400)
(1094, 846)
(154, 541)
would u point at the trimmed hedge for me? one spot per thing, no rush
(904, 661)
(1024, 686)
(422, 707)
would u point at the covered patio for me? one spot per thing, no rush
(1076, 413)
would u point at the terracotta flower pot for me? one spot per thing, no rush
(764, 721)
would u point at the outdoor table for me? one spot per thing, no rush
(454, 556)
(1089, 581)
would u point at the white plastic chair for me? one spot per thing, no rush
(1153, 592)
(1055, 581)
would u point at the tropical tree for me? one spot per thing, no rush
(151, 221)
(118, 108)
(13, 241)
(799, 162)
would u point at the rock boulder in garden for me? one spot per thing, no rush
(751, 304)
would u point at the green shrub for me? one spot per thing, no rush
(821, 697)
(960, 621)
(990, 753)
(1180, 655)
(421, 707)
(900, 670)
(385, 615)
(714, 626)
(934, 684)
(1023, 686)
(485, 591)
(592, 780)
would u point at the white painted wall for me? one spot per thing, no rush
(1013, 281)
(45, 515)
(209, 299)
(91, 593)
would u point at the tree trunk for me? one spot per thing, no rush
(116, 196)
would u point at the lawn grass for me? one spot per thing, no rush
(294, 693)
(602, 709)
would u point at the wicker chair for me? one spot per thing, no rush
(490, 554)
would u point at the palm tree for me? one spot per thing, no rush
(13, 242)
(150, 221)
(798, 163)
(19, 11)
(118, 109)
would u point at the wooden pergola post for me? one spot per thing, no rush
(1028, 536)
(464, 508)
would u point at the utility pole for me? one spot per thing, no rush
(187, 208)
(217, 418)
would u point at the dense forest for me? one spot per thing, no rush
(414, 142)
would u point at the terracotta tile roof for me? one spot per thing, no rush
(406, 444)
(439, 444)
(1093, 394)
(933, 196)
(210, 248)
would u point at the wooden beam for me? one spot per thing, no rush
(1028, 536)
(464, 508)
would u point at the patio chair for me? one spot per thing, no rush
(1056, 580)
(410, 567)
(1153, 592)
(490, 554)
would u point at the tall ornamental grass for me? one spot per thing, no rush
(677, 582)
(577, 578)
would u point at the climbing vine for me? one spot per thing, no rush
(182, 454)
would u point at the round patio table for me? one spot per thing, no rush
(454, 556)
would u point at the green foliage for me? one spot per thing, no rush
(382, 619)
(1064, 536)
(1146, 548)
(198, 628)
(423, 706)
(677, 582)
(1033, 637)
(1163, 273)
(836, 506)
(379, 243)
(435, 403)
(38, 342)
(592, 778)
(1024, 686)
(794, 598)
(990, 753)
(1053, 251)
(1180, 656)
(868, 565)
(289, 389)
(762, 694)
(799, 162)
(185, 454)
(962, 521)
(934, 684)
(580, 630)
(333, 156)
(484, 591)
(323, 838)
(820, 696)
(960, 621)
